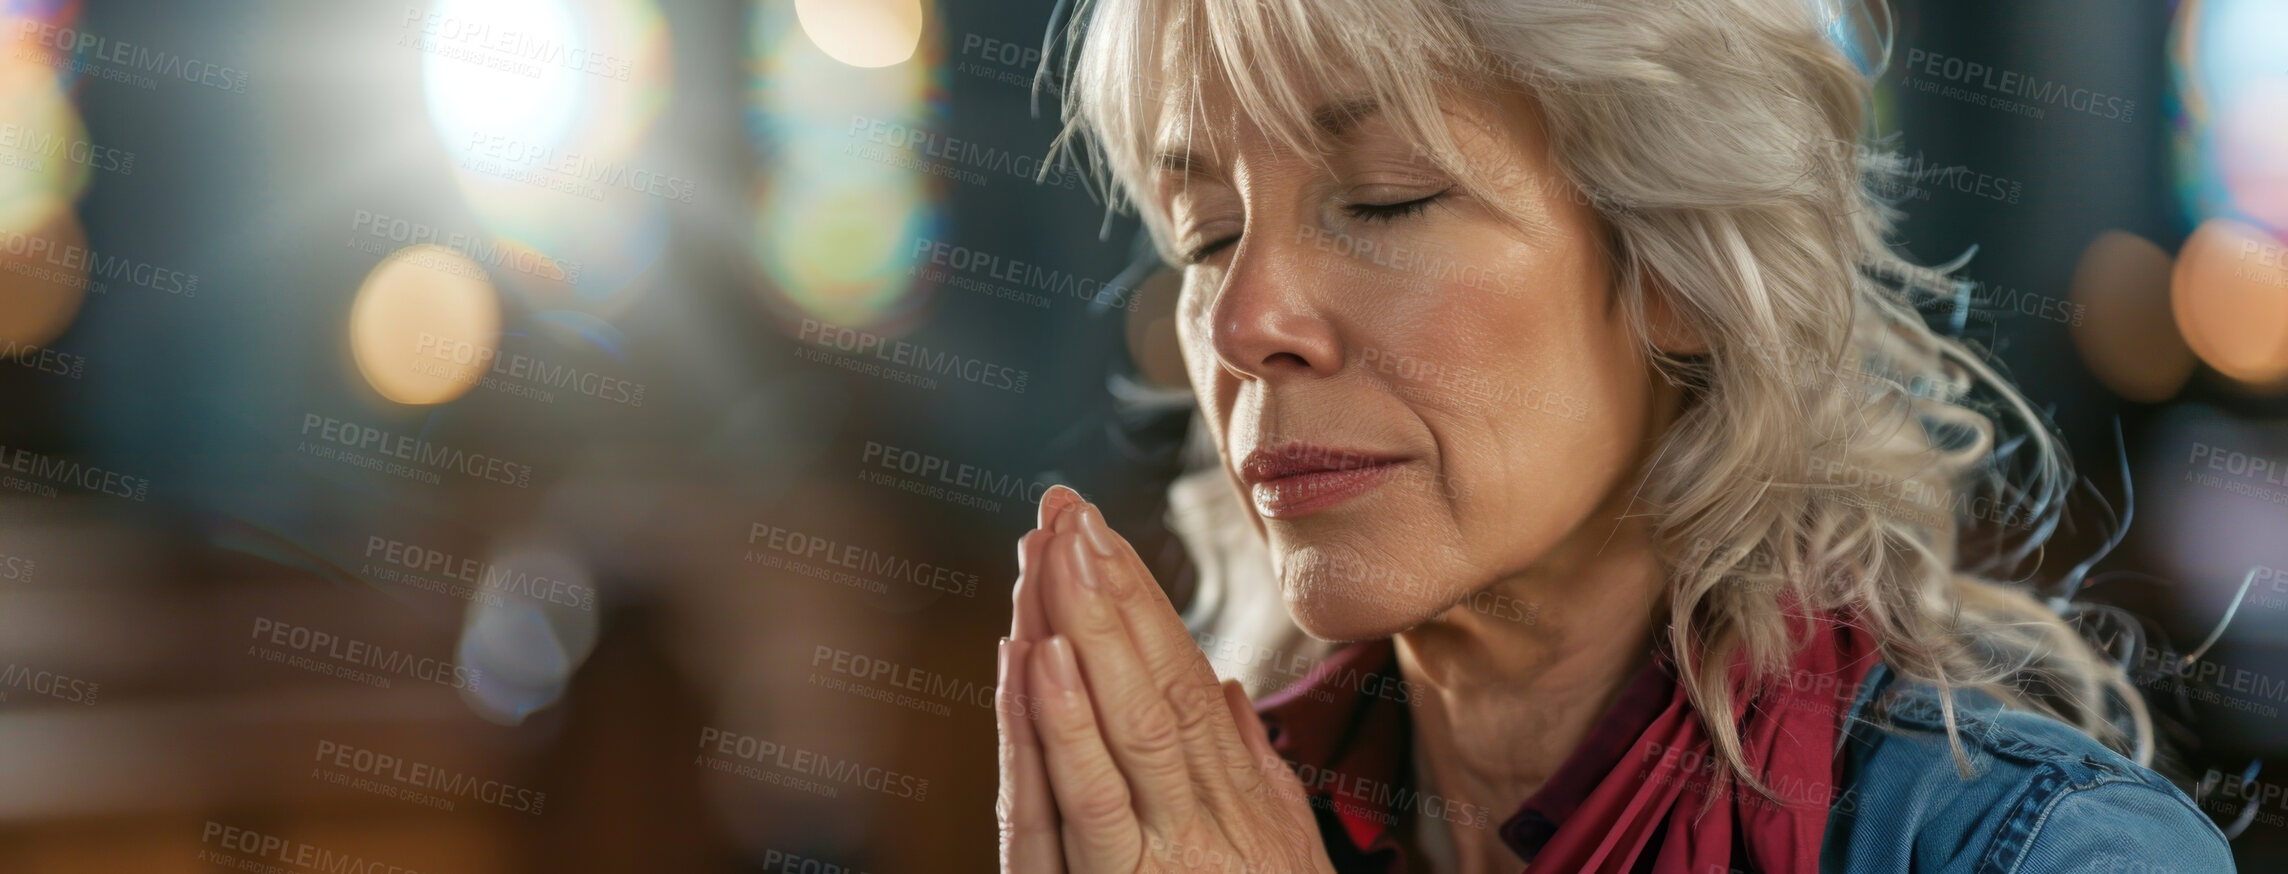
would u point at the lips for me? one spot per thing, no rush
(1296, 479)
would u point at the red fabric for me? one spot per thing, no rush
(1346, 728)
(1788, 739)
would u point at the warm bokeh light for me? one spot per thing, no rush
(862, 33)
(2229, 293)
(2127, 334)
(42, 282)
(425, 326)
(45, 153)
(46, 158)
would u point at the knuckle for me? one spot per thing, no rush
(1101, 620)
(1252, 785)
(1155, 729)
(1193, 707)
(1106, 803)
(1069, 732)
(1120, 579)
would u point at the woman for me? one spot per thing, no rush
(1584, 307)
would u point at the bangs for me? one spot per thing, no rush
(1149, 77)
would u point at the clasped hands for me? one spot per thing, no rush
(1120, 751)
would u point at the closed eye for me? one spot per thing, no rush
(1207, 250)
(1384, 212)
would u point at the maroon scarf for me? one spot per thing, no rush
(1788, 736)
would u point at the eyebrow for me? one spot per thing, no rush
(1332, 120)
(1336, 119)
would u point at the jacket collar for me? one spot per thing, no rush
(1346, 728)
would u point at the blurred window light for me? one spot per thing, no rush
(494, 68)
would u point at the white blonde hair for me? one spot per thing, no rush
(1720, 144)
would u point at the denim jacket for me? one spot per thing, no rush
(2044, 797)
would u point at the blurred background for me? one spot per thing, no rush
(591, 435)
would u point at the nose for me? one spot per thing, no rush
(1271, 316)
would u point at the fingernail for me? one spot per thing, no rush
(1092, 527)
(1062, 497)
(1064, 670)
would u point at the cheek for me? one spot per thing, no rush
(1542, 412)
(1561, 442)
(1193, 340)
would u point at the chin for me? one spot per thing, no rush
(1341, 607)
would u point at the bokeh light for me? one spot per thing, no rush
(2229, 77)
(2128, 334)
(546, 139)
(843, 194)
(41, 291)
(469, 100)
(2252, 150)
(526, 648)
(45, 154)
(45, 161)
(425, 326)
(2230, 296)
(863, 33)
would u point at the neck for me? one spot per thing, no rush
(1508, 683)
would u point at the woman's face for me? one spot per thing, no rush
(1417, 397)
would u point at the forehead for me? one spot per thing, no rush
(1205, 136)
(1164, 82)
(1202, 109)
(1201, 75)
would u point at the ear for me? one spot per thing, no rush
(1671, 332)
